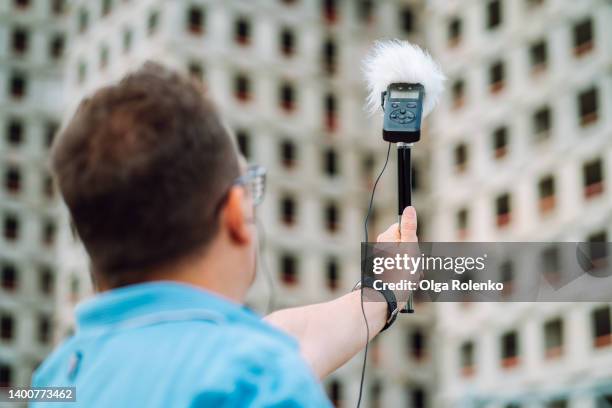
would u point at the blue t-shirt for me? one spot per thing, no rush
(167, 344)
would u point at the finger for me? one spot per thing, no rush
(390, 235)
(409, 225)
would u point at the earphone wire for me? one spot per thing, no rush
(365, 318)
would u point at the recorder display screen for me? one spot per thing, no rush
(404, 94)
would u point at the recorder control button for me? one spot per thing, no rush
(394, 105)
(402, 110)
(411, 105)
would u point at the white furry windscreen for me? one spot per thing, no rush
(399, 61)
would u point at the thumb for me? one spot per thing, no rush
(409, 225)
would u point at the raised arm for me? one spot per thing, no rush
(331, 333)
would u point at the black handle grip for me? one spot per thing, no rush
(404, 195)
(404, 178)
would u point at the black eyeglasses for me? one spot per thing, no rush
(254, 180)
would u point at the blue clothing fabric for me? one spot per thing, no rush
(167, 344)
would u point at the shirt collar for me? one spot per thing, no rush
(127, 303)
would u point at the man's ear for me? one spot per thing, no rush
(235, 217)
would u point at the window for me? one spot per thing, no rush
(75, 287)
(598, 249)
(407, 20)
(494, 14)
(45, 280)
(553, 338)
(21, 4)
(196, 71)
(153, 22)
(335, 392)
(331, 120)
(12, 180)
(550, 260)
(329, 9)
(534, 3)
(417, 345)
(8, 275)
(365, 10)
(455, 31)
(48, 187)
(44, 329)
(330, 162)
(458, 93)
(500, 142)
(18, 85)
(542, 123)
(14, 131)
(20, 41)
(466, 358)
(82, 72)
(103, 60)
(418, 398)
(368, 161)
(107, 6)
(557, 403)
(376, 390)
(195, 20)
(244, 143)
(287, 42)
(287, 207)
(502, 206)
(287, 97)
(592, 173)
(56, 46)
(538, 56)
(58, 7)
(242, 87)
(461, 157)
(330, 51)
(496, 77)
(127, 40)
(83, 20)
(288, 267)
(242, 31)
(506, 273)
(287, 153)
(587, 105)
(49, 232)
(332, 273)
(51, 129)
(6, 372)
(11, 227)
(546, 193)
(7, 324)
(583, 37)
(600, 319)
(462, 218)
(509, 349)
(332, 215)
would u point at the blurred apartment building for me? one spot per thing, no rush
(285, 75)
(34, 278)
(521, 150)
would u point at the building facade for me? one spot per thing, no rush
(518, 150)
(522, 150)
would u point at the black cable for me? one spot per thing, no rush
(365, 318)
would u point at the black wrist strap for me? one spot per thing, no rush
(392, 310)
